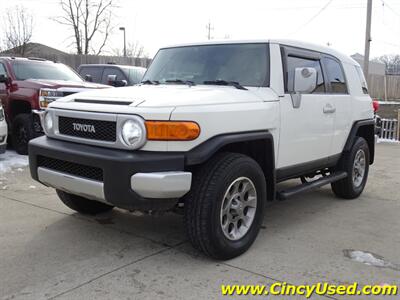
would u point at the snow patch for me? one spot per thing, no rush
(388, 102)
(387, 141)
(369, 259)
(11, 160)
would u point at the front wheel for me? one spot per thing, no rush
(224, 210)
(356, 164)
(22, 132)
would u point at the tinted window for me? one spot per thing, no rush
(2, 70)
(364, 85)
(335, 76)
(43, 70)
(95, 72)
(247, 64)
(294, 62)
(112, 71)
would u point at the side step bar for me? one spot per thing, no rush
(283, 195)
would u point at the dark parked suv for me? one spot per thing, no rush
(29, 84)
(111, 74)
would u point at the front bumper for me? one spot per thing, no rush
(129, 179)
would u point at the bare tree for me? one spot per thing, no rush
(18, 25)
(90, 21)
(134, 49)
(392, 63)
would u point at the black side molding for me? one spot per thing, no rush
(204, 151)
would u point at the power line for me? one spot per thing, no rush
(384, 3)
(313, 17)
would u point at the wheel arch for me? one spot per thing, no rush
(258, 145)
(19, 107)
(366, 130)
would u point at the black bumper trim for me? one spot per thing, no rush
(118, 166)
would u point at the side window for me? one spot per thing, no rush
(335, 76)
(294, 62)
(2, 70)
(95, 72)
(112, 71)
(363, 82)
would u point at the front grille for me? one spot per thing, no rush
(88, 129)
(71, 168)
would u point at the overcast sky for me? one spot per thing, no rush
(155, 23)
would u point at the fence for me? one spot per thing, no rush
(390, 129)
(75, 60)
(384, 86)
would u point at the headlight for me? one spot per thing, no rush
(133, 133)
(48, 122)
(46, 96)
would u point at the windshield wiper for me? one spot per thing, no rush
(150, 82)
(225, 82)
(180, 81)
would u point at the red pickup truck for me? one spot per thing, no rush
(28, 84)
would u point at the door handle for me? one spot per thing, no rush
(329, 109)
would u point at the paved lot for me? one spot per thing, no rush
(47, 251)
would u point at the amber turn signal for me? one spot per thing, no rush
(172, 130)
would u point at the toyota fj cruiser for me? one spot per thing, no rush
(213, 128)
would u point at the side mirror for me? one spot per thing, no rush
(120, 83)
(4, 79)
(305, 81)
(88, 78)
(111, 79)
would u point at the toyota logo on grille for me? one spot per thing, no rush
(84, 127)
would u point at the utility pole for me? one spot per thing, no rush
(123, 29)
(209, 28)
(367, 38)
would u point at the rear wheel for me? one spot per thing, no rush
(83, 205)
(356, 164)
(224, 210)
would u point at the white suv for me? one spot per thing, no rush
(213, 128)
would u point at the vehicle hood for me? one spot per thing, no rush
(44, 83)
(172, 95)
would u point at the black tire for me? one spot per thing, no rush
(346, 188)
(203, 204)
(22, 133)
(83, 205)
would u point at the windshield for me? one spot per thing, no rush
(43, 70)
(247, 64)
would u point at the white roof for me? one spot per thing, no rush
(293, 43)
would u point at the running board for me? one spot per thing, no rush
(283, 195)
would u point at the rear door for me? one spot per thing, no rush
(306, 131)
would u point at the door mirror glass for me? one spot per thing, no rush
(3, 78)
(88, 78)
(305, 80)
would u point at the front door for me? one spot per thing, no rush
(306, 131)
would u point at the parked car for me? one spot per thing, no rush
(3, 131)
(28, 84)
(213, 128)
(111, 74)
